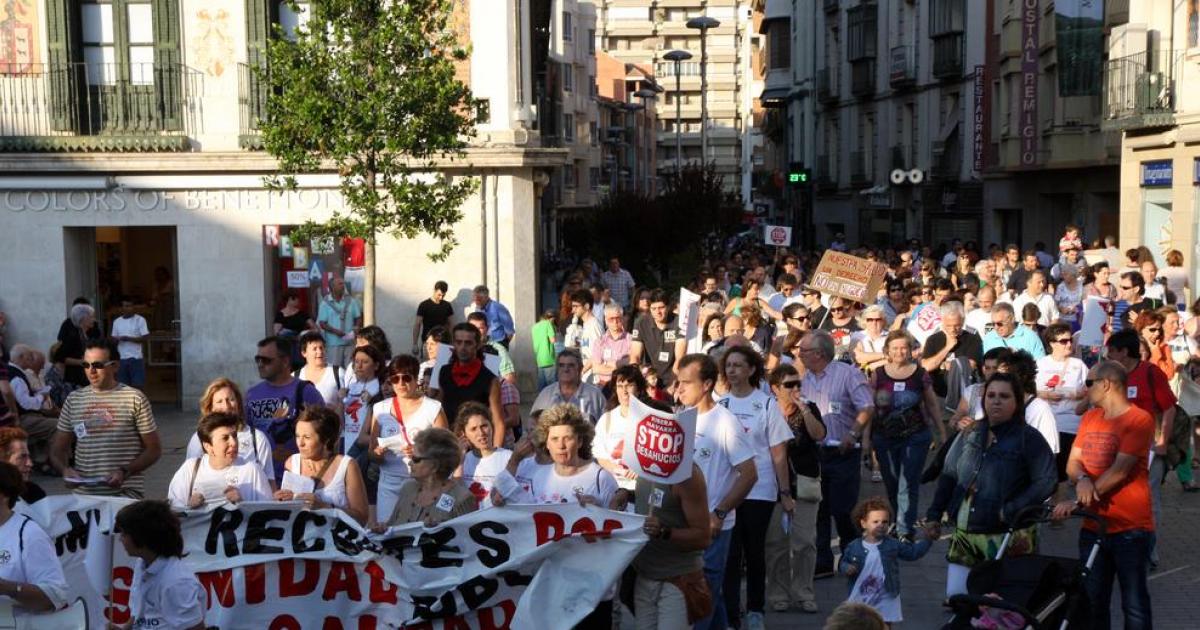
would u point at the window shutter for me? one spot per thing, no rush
(61, 75)
(261, 15)
(170, 72)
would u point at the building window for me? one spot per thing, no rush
(592, 89)
(862, 22)
(591, 36)
(569, 176)
(946, 17)
(568, 31)
(569, 127)
(568, 77)
(593, 134)
(594, 178)
(779, 45)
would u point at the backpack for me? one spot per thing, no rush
(1181, 430)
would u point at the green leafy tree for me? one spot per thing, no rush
(368, 88)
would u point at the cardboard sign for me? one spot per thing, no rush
(689, 319)
(777, 235)
(848, 277)
(661, 443)
(1094, 327)
(297, 279)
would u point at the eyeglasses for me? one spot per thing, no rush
(96, 365)
(1065, 341)
(790, 384)
(1154, 328)
(874, 319)
(402, 378)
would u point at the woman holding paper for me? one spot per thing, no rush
(394, 422)
(317, 475)
(218, 475)
(432, 495)
(31, 576)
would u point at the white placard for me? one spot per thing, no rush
(1095, 322)
(689, 319)
(297, 279)
(658, 445)
(777, 235)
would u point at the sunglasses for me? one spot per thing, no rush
(1065, 341)
(402, 378)
(1154, 328)
(874, 319)
(260, 359)
(1000, 324)
(790, 384)
(96, 365)
(1093, 381)
(838, 309)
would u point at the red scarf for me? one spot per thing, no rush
(464, 373)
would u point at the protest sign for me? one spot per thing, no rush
(848, 276)
(777, 235)
(661, 443)
(1112, 256)
(273, 565)
(1094, 327)
(927, 322)
(689, 319)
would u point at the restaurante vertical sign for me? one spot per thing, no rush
(1030, 35)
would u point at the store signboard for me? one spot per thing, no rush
(1157, 173)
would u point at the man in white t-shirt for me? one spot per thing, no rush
(1035, 293)
(979, 320)
(130, 330)
(723, 455)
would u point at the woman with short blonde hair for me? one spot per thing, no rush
(222, 395)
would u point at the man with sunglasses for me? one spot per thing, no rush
(273, 404)
(1007, 334)
(107, 428)
(1131, 300)
(812, 299)
(841, 324)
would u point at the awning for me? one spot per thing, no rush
(774, 96)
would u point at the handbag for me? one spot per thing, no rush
(808, 488)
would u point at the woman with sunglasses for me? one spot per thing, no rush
(1149, 325)
(432, 495)
(395, 421)
(1061, 383)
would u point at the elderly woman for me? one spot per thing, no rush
(321, 478)
(1068, 296)
(30, 575)
(906, 416)
(223, 396)
(165, 591)
(1149, 325)
(565, 435)
(868, 345)
(219, 475)
(994, 469)
(482, 459)
(73, 334)
(433, 495)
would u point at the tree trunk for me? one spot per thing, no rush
(369, 281)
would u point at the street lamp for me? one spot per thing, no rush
(633, 108)
(677, 56)
(647, 95)
(703, 23)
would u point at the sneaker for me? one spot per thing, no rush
(808, 606)
(755, 621)
(876, 476)
(779, 607)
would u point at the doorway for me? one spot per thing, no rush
(105, 264)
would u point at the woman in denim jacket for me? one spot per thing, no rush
(994, 469)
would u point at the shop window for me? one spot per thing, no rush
(307, 269)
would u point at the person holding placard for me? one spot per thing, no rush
(31, 576)
(219, 475)
(628, 384)
(165, 592)
(317, 475)
(394, 423)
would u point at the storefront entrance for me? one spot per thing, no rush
(105, 264)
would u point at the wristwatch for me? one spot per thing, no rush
(664, 533)
(721, 514)
(1081, 477)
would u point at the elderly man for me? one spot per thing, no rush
(1007, 334)
(500, 322)
(106, 433)
(846, 403)
(37, 415)
(619, 282)
(1154, 290)
(1107, 464)
(611, 351)
(979, 320)
(337, 318)
(989, 276)
(1035, 293)
(14, 449)
(571, 389)
(952, 342)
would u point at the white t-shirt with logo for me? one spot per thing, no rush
(541, 485)
(979, 322)
(27, 556)
(247, 477)
(1067, 377)
(479, 473)
(720, 446)
(133, 326)
(253, 446)
(762, 425)
(394, 469)
(610, 441)
(166, 594)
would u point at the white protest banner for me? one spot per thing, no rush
(274, 565)
(927, 322)
(777, 235)
(1094, 328)
(658, 445)
(848, 276)
(689, 319)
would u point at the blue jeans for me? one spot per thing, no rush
(714, 573)
(546, 375)
(1125, 556)
(132, 372)
(901, 461)
(840, 479)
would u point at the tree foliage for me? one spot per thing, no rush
(368, 87)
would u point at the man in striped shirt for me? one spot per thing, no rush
(107, 428)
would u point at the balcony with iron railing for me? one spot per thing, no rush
(902, 69)
(1139, 90)
(97, 107)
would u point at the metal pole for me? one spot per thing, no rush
(678, 122)
(703, 97)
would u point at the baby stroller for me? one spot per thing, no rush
(1046, 592)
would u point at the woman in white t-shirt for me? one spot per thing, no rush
(395, 422)
(31, 576)
(357, 399)
(970, 404)
(609, 445)
(217, 476)
(1062, 383)
(165, 592)
(482, 460)
(326, 378)
(767, 434)
(223, 396)
(868, 345)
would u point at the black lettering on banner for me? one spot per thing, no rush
(76, 537)
(303, 519)
(426, 607)
(515, 578)
(395, 547)
(477, 591)
(349, 541)
(224, 525)
(258, 531)
(495, 550)
(434, 544)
